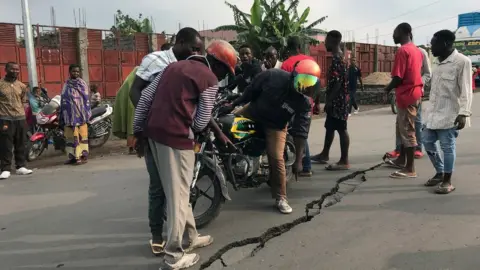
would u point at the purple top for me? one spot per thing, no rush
(75, 107)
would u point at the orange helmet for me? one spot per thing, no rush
(306, 74)
(223, 52)
(308, 67)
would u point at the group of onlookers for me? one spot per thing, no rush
(18, 102)
(448, 112)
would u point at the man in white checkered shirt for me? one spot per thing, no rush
(450, 108)
(188, 43)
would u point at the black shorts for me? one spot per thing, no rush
(332, 123)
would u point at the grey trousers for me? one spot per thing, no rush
(175, 168)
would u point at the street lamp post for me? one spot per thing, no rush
(27, 31)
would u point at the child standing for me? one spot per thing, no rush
(96, 97)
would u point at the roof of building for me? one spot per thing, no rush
(470, 31)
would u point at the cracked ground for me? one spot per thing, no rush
(94, 217)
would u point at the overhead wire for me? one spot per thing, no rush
(423, 25)
(398, 16)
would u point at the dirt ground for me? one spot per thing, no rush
(117, 146)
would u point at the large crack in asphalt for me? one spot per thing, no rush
(333, 194)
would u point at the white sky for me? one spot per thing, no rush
(359, 16)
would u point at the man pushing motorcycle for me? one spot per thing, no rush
(275, 97)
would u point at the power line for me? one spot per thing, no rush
(398, 16)
(427, 24)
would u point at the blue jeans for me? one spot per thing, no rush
(447, 139)
(307, 163)
(418, 131)
(156, 199)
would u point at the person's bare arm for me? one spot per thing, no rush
(394, 83)
(136, 90)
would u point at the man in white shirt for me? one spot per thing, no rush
(271, 59)
(450, 108)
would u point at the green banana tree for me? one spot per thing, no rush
(271, 23)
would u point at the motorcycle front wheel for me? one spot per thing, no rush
(208, 191)
(393, 104)
(290, 155)
(34, 150)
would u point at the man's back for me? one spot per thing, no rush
(277, 102)
(175, 102)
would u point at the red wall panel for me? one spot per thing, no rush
(8, 54)
(111, 88)
(111, 57)
(94, 57)
(128, 58)
(50, 56)
(111, 74)
(52, 73)
(53, 88)
(69, 56)
(126, 71)
(95, 73)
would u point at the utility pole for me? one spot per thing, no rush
(27, 31)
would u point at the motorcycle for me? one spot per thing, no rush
(48, 131)
(244, 167)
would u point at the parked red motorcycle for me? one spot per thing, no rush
(49, 133)
(46, 131)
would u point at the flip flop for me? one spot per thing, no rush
(157, 249)
(445, 189)
(433, 181)
(337, 167)
(318, 161)
(401, 175)
(392, 164)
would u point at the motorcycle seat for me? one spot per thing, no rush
(97, 111)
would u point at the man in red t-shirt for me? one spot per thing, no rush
(294, 48)
(407, 82)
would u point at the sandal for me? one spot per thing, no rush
(391, 163)
(157, 249)
(305, 174)
(319, 160)
(80, 162)
(402, 175)
(441, 189)
(434, 181)
(337, 167)
(70, 162)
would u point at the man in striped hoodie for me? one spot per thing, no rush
(188, 43)
(176, 105)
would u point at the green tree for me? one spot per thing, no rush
(271, 23)
(126, 25)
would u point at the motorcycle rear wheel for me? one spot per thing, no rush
(98, 142)
(205, 217)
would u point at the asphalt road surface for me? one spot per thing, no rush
(95, 216)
